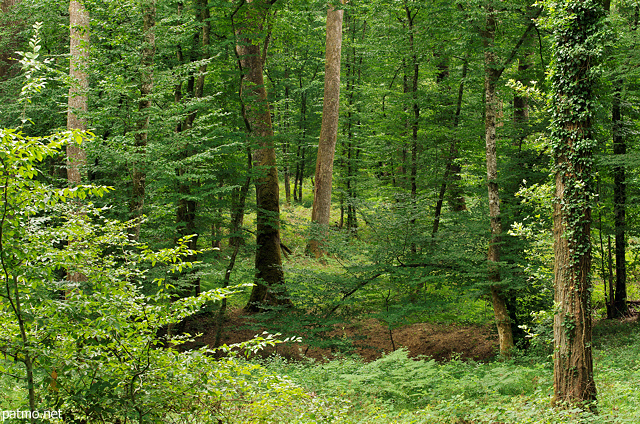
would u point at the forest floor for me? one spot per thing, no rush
(370, 338)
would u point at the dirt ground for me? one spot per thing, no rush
(370, 337)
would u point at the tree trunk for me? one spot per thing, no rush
(619, 206)
(269, 287)
(413, 121)
(138, 173)
(77, 103)
(79, 53)
(329, 129)
(573, 143)
(492, 73)
(286, 145)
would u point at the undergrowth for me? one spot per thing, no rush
(400, 389)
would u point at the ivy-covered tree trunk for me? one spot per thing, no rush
(329, 129)
(269, 287)
(492, 73)
(575, 52)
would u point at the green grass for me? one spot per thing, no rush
(397, 389)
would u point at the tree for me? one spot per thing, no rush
(79, 59)
(251, 55)
(138, 173)
(329, 130)
(576, 28)
(492, 73)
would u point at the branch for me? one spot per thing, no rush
(512, 56)
(363, 283)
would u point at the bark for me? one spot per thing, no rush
(573, 363)
(492, 73)
(79, 52)
(619, 207)
(269, 279)
(286, 145)
(411, 86)
(300, 156)
(414, 121)
(573, 144)
(349, 145)
(329, 129)
(138, 173)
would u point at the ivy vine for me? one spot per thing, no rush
(578, 46)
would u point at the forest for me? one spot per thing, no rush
(304, 211)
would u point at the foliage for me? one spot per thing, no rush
(88, 346)
(399, 389)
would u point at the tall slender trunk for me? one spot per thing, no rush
(329, 129)
(415, 118)
(77, 105)
(79, 59)
(285, 144)
(619, 206)
(138, 172)
(301, 163)
(269, 279)
(492, 73)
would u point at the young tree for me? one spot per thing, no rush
(329, 130)
(576, 28)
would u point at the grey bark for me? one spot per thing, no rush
(329, 129)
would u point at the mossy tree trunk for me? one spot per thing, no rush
(251, 50)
